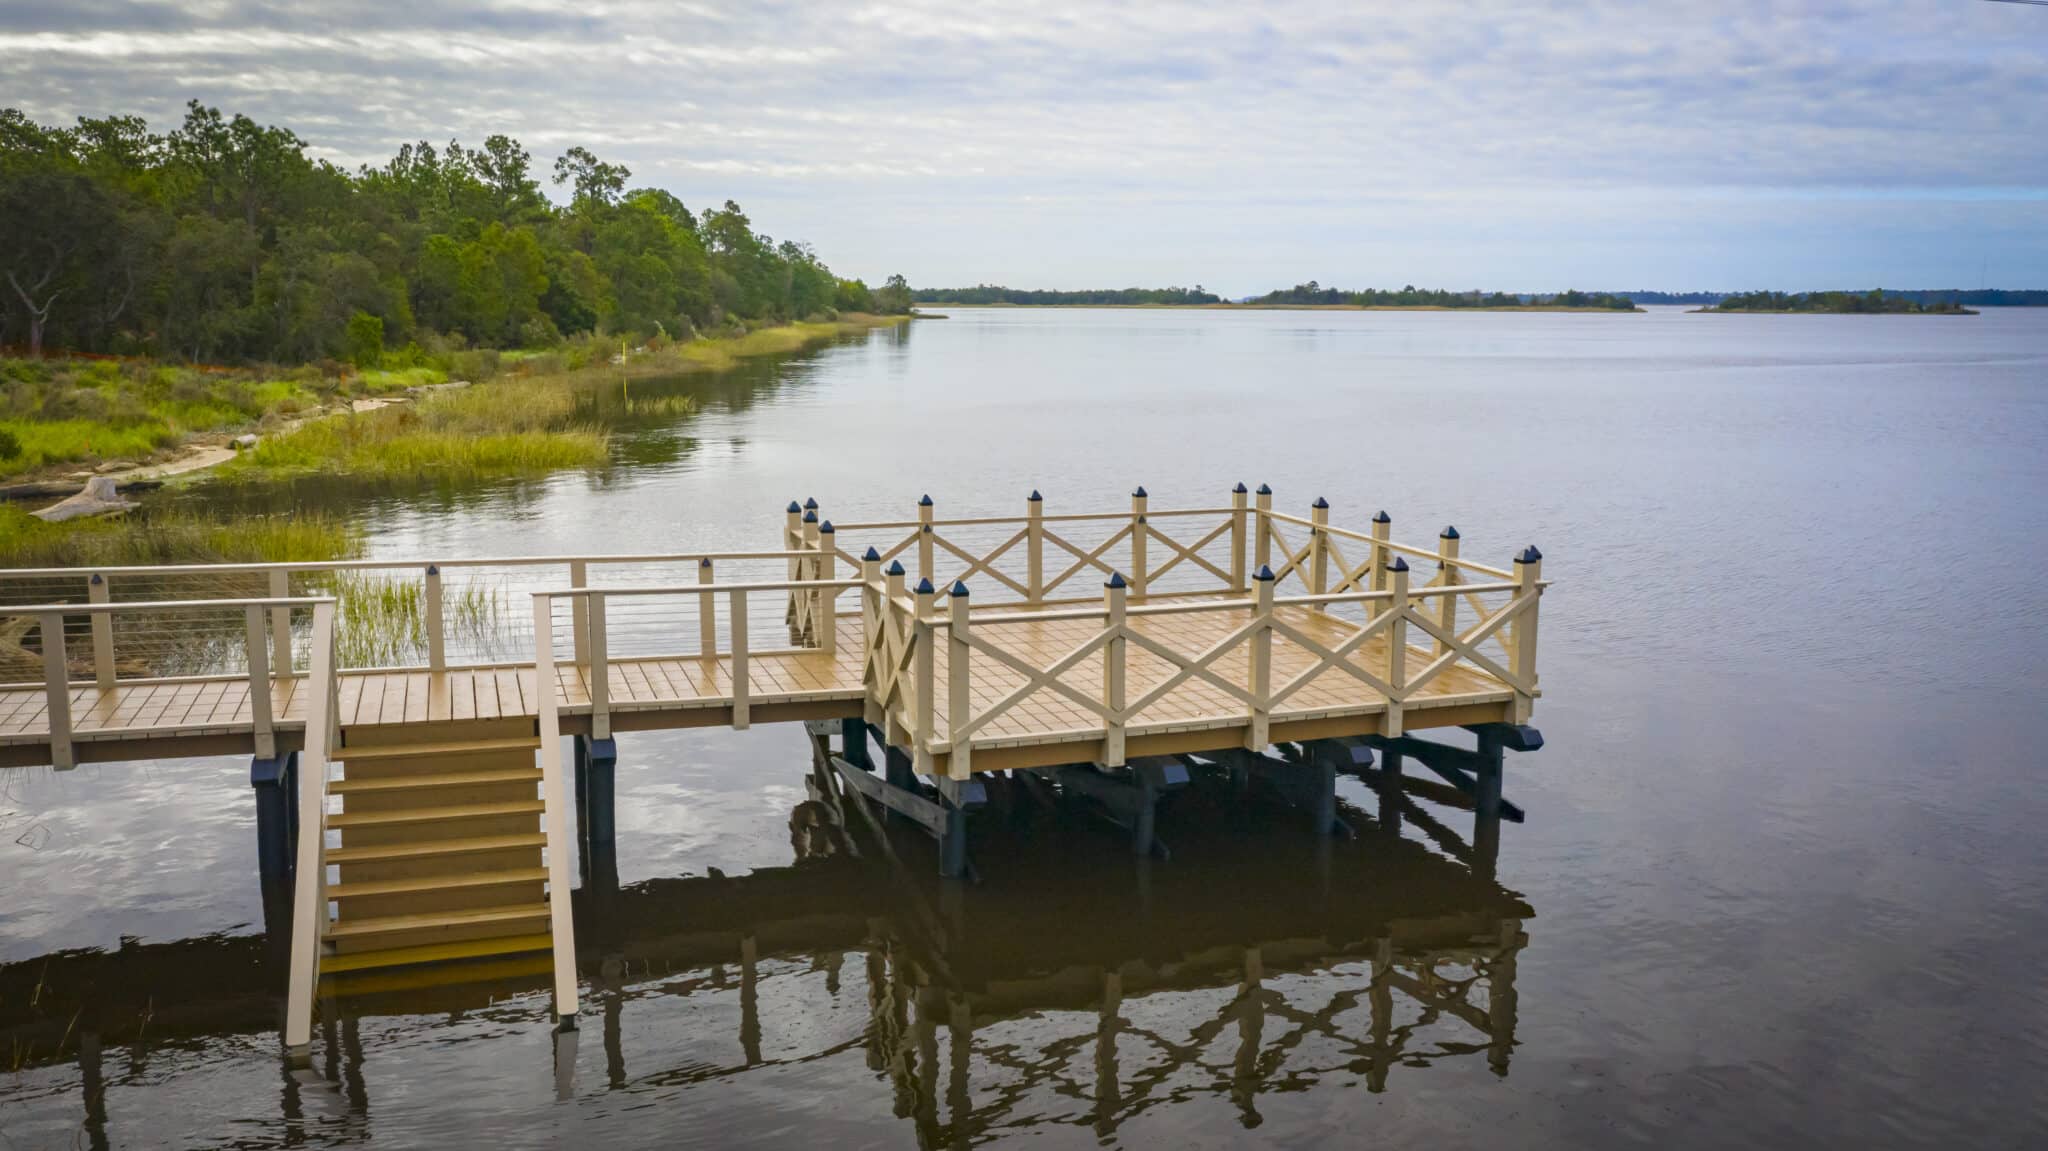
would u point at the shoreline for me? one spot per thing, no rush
(200, 455)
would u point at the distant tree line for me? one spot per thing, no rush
(1414, 297)
(1875, 302)
(1646, 297)
(222, 240)
(990, 294)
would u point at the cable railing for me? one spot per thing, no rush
(255, 696)
(428, 613)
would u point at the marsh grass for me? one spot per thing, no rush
(380, 621)
(169, 536)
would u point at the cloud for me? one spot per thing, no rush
(843, 116)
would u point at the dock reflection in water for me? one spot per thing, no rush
(1074, 985)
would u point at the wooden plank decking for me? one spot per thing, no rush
(141, 718)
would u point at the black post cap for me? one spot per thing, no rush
(1116, 580)
(1240, 489)
(825, 528)
(924, 501)
(1383, 517)
(1450, 532)
(1264, 573)
(1529, 555)
(795, 507)
(1140, 493)
(97, 578)
(432, 569)
(811, 504)
(924, 586)
(1034, 497)
(1264, 490)
(959, 588)
(705, 562)
(1321, 503)
(1399, 565)
(872, 556)
(811, 517)
(895, 566)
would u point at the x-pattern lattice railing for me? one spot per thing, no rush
(1072, 664)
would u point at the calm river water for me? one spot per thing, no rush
(1781, 879)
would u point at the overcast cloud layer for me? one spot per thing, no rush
(1524, 146)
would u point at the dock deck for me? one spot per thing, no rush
(145, 718)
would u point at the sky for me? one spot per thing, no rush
(1525, 146)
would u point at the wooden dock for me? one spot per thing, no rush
(962, 646)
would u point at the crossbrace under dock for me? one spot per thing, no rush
(1101, 653)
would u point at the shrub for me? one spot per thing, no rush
(365, 340)
(10, 445)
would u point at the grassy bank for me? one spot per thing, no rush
(524, 421)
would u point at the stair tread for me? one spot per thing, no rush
(428, 780)
(425, 883)
(432, 814)
(374, 852)
(434, 952)
(416, 750)
(427, 920)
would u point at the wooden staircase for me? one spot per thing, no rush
(440, 856)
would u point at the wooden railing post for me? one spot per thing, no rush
(1522, 629)
(1239, 498)
(281, 622)
(579, 623)
(1139, 531)
(1447, 605)
(261, 723)
(309, 880)
(437, 639)
(925, 570)
(922, 706)
(827, 598)
(57, 691)
(1397, 645)
(874, 621)
(1319, 549)
(742, 687)
(1113, 683)
(600, 669)
(1034, 548)
(554, 792)
(1382, 531)
(1259, 677)
(959, 685)
(98, 591)
(1262, 554)
(805, 603)
(707, 613)
(792, 540)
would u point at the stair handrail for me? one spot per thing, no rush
(309, 884)
(555, 825)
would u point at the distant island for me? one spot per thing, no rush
(1308, 295)
(988, 294)
(1875, 302)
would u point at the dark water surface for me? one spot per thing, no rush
(1782, 876)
